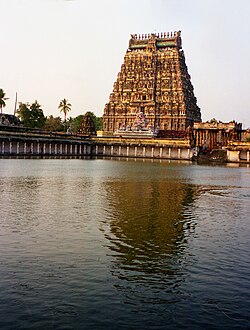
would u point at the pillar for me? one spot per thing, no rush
(152, 152)
(135, 151)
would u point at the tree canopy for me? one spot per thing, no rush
(75, 123)
(31, 115)
(98, 123)
(2, 99)
(54, 124)
(64, 107)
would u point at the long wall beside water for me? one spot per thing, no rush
(19, 144)
(40, 144)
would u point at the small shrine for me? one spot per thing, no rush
(87, 125)
(139, 126)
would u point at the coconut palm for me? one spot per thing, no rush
(2, 99)
(64, 107)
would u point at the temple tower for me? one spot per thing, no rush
(153, 81)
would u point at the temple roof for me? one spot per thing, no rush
(7, 120)
(161, 40)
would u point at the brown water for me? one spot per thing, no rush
(108, 244)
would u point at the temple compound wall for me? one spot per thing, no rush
(29, 144)
(153, 82)
(18, 144)
(144, 148)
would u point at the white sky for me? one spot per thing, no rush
(73, 49)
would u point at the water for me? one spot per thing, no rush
(108, 244)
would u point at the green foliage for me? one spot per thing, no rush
(98, 123)
(31, 115)
(76, 123)
(54, 124)
(2, 99)
(23, 112)
(64, 107)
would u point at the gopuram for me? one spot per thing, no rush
(153, 91)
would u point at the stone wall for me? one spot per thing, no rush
(28, 145)
(43, 145)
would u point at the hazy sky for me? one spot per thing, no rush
(73, 49)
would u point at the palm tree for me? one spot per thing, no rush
(2, 99)
(64, 107)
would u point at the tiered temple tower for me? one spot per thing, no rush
(153, 81)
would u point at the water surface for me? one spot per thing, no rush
(108, 244)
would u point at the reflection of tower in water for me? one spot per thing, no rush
(147, 236)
